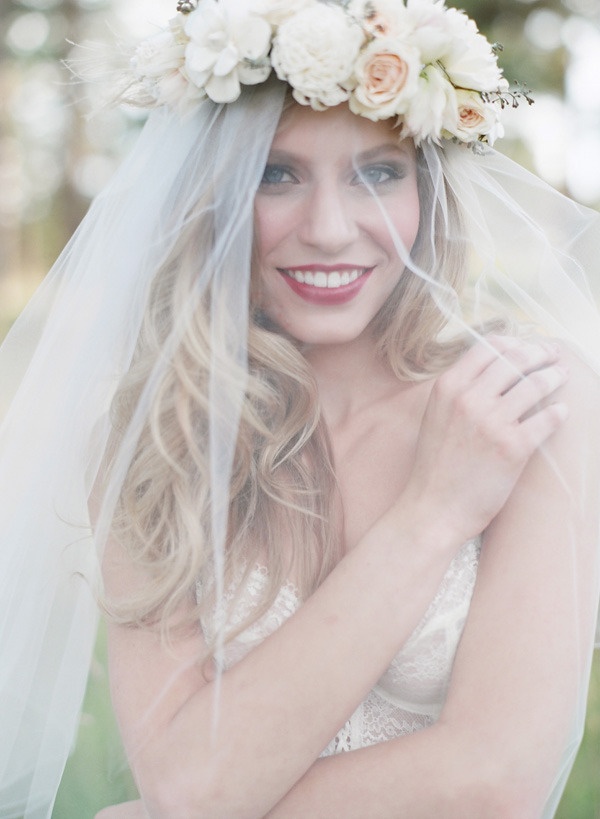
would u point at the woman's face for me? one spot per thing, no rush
(325, 260)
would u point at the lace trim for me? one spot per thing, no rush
(411, 693)
(375, 721)
(237, 606)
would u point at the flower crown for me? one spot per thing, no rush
(418, 61)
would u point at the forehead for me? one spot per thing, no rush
(335, 132)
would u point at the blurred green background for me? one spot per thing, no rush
(54, 158)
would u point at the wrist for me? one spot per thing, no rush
(427, 528)
(404, 557)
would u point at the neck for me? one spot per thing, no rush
(350, 377)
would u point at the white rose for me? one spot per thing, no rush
(315, 51)
(432, 108)
(430, 28)
(387, 74)
(449, 36)
(475, 118)
(471, 63)
(228, 46)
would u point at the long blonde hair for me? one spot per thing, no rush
(284, 506)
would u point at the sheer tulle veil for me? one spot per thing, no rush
(528, 254)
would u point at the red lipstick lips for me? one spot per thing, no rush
(326, 284)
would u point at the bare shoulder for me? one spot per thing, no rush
(581, 392)
(567, 465)
(578, 367)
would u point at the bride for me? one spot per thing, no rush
(332, 417)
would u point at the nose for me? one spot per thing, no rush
(328, 221)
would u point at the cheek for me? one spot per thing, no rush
(271, 225)
(269, 234)
(405, 218)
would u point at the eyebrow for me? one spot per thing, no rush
(280, 155)
(379, 150)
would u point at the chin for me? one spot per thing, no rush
(323, 336)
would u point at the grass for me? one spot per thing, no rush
(581, 799)
(97, 774)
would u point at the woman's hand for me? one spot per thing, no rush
(486, 416)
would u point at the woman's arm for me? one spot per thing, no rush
(509, 725)
(278, 707)
(264, 743)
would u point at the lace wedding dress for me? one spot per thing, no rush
(411, 693)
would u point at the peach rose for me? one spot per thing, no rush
(474, 118)
(387, 76)
(470, 118)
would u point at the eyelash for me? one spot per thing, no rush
(393, 171)
(279, 169)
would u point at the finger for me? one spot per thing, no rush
(542, 424)
(514, 364)
(531, 390)
(479, 357)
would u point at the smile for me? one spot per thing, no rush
(325, 280)
(326, 286)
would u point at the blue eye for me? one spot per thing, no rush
(380, 174)
(276, 175)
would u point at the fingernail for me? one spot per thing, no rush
(562, 410)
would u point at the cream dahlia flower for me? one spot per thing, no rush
(315, 52)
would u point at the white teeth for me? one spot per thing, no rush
(324, 280)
